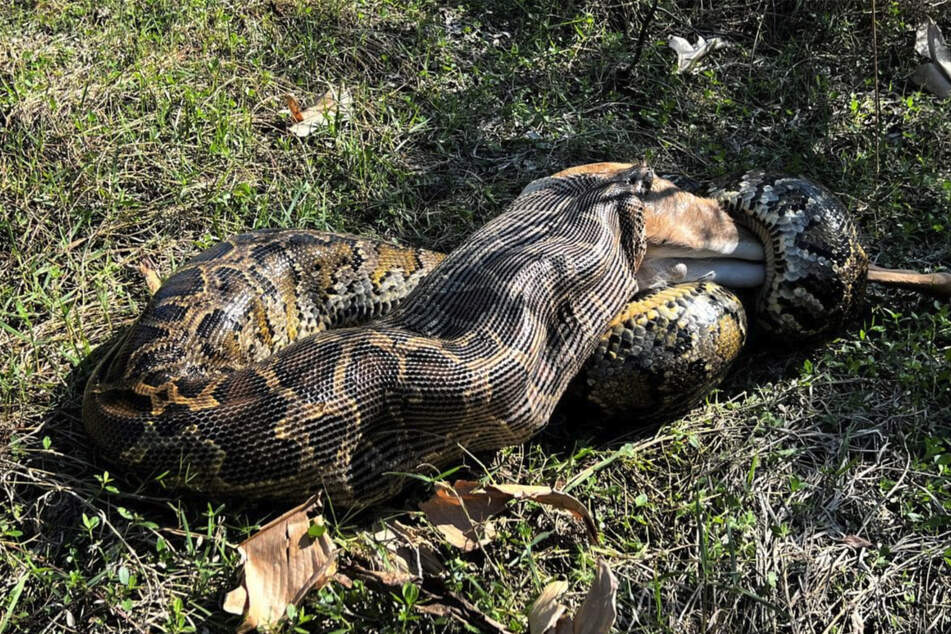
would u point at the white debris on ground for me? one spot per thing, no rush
(690, 56)
(935, 74)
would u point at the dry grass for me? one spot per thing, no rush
(810, 494)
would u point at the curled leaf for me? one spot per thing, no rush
(551, 497)
(281, 564)
(599, 610)
(461, 512)
(595, 616)
(690, 55)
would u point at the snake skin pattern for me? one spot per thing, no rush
(816, 269)
(475, 358)
(232, 381)
(664, 352)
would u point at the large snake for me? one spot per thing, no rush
(277, 363)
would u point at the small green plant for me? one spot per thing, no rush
(407, 598)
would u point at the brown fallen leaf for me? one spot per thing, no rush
(147, 271)
(595, 616)
(282, 562)
(599, 610)
(333, 105)
(551, 497)
(294, 107)
(855, 541)
(460, 513)
(396, 555)
(546, 611)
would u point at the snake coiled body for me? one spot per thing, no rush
(231, 383)
(816, 268)
(476, 357)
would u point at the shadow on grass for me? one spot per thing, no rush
(79, 505)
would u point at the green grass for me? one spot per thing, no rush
(132, 129)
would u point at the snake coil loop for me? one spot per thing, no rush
(280, 362)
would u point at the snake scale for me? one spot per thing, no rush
(281, 362)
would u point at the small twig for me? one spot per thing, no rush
(878, 111)
(643, 34)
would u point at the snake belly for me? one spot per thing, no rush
(475, 358)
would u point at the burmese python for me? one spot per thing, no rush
(233, 382)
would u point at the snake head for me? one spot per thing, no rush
(639, 177)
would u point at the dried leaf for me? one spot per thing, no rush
(294, 107)
(334, 105)
(147, 270)
(551, 497)
(599, 610)
(595, 616)
(400, 555)
(690, 55)
(935, 75)
(281, 563)
(547, 610)
(461, 512)
(856, 542)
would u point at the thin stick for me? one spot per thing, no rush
(643, 34)
(938, 284)
(878, 110)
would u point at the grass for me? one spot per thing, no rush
(131, 129)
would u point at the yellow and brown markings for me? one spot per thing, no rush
(392, 258)
(690, 334)
(645, 308)
(228, 380)
(729, 336)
